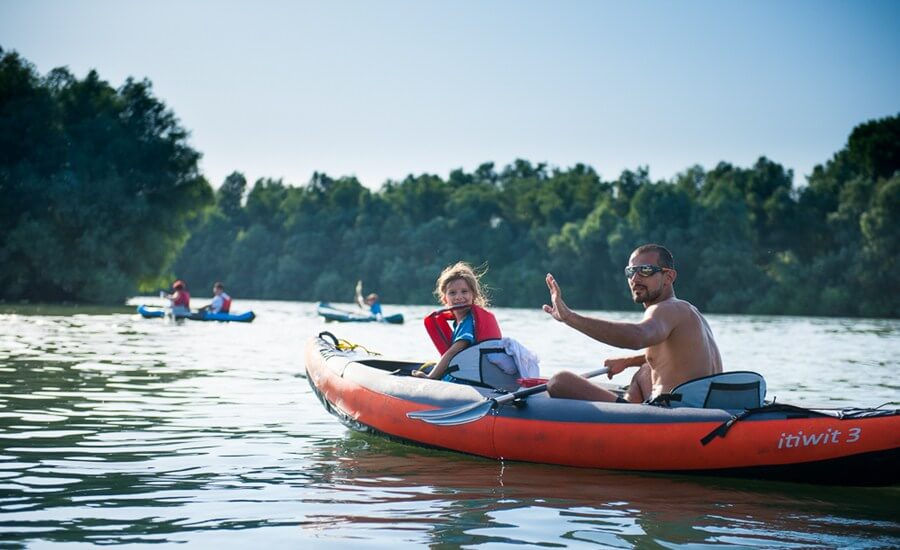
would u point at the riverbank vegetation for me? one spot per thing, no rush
(102, 197)
(97, 185)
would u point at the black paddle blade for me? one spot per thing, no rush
(453, 416)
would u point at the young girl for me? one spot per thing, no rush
(459, 289)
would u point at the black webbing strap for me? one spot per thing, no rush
(723, 428)
(665, 399)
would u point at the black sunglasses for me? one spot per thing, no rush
(646, 270)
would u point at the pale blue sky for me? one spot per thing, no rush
(383, 89)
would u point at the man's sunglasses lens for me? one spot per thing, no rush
(644, 270)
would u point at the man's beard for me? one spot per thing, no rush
(648, 296)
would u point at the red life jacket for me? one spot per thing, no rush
(439, 327)
(226, 303)
(183, 298)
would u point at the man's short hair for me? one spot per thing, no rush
(665, 257)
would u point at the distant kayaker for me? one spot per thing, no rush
(371, 301)
(677, 341)
(180, 298)
(459, 287)
(221, 302)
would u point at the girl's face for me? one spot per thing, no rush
(458, 293)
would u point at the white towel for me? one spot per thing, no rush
(517, 358)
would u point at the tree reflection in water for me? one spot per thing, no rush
(461, 500)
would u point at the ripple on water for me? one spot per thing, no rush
(116, 430)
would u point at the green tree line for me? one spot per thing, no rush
(97, 185)
(118, 206)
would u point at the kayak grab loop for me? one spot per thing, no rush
(344, 345)
(334, 339)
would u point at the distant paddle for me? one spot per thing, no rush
(464, 414)
(153, 306)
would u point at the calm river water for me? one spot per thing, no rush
(116, 429)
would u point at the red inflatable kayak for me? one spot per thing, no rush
(772, 441)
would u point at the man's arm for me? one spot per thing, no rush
(653, 329)
(650, 331)
(618, 364)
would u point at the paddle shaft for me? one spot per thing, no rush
(540, 388)
(475, 411)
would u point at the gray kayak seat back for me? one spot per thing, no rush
(485, 364)
(726, 390)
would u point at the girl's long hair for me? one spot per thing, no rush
(472, 277)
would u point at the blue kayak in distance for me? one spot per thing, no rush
(148, 312)
(331, 313)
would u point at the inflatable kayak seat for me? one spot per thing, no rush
(726, 390)
(485, 364)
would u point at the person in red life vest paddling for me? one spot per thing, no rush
(459, 289)
(180, 298)
(677, 341)
(221, 302)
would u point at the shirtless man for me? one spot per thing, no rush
(677, 341)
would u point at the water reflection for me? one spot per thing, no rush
(149, 448)
(116, 429)
(460, 500)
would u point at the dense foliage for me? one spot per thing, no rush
(96, 185)
(100, 195)
(745, 240)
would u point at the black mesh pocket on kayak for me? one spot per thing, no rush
(732, 396)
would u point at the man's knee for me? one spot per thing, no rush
(641, 385)
(553, 384)
(559, 381)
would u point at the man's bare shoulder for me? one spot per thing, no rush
(671, 308)
(672, 303)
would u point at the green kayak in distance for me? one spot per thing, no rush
(331, 313)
